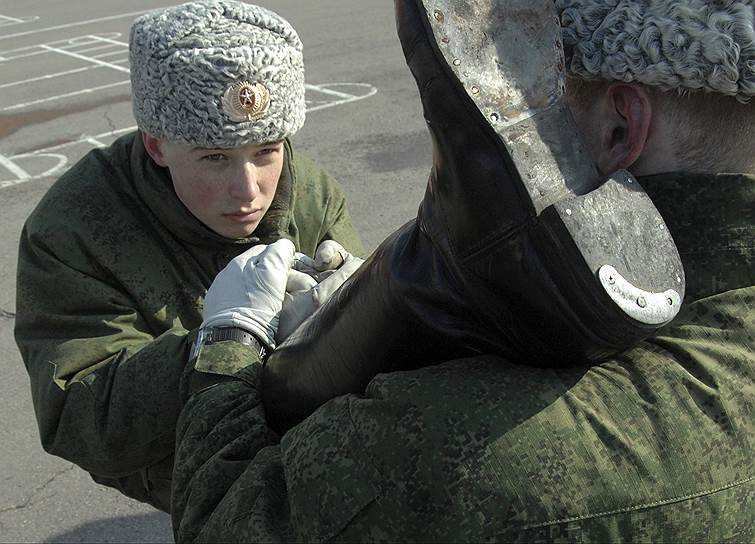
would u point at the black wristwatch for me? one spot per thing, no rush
(212, 335)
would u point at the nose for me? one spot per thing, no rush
(244, 185)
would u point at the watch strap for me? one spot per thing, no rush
(213, 335)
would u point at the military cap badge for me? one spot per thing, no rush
(245, 101)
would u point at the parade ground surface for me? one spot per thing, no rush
(64, 89)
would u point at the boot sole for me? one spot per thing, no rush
(588, 231)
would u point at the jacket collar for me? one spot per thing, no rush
(711, 220)
(155, 188)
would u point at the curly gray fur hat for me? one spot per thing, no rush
(684, 45)
(216, 73)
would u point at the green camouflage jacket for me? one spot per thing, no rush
(112, 272)
(656, 444)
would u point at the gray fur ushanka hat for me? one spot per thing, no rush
(216, 73)
(684, 45)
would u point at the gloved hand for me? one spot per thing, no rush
(328, 257)
(311, 282)
(248, 293)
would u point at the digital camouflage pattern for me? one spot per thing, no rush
(655, 444)
(112, 272)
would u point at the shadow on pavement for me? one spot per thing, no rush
(152, 527)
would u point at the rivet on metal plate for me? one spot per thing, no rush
(644, 306)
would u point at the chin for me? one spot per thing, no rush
(235, 231)
(243, 233)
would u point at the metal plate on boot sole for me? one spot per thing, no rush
(617, 229)
(644, 306)
(508, 58)
(507, 54)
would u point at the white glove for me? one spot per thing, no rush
(330, 255)
(312, 282)
(248, 293)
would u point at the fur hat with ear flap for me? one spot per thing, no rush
(216, 73)
(684, 45)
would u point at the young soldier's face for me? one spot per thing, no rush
(229, 190)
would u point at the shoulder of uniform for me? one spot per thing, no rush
(84, 190)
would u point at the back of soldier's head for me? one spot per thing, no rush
(696, 57)
(216, 73)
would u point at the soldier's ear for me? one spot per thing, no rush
(625, 126)
(154, 147)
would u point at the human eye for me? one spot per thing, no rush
(214, 157)
(270, 149)
(266, 151)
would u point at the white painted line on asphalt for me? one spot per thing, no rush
(347, 97)
(25, 55)
(49, 76)
(88, 59)
(4, 18)
(110, 54)
(65, 43)
(96, 140)
(336, 103)
(78, 23)
(8, 21)
(323, 89)
(66, 95)
(14, 169)
(54, 171)
(47, 152)
(80, 140)
(97, 48)
(108, 40)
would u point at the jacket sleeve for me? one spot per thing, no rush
(234, 480)
(228, 480)
(653, 444)
(105, 390)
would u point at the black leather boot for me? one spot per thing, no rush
(518, 249)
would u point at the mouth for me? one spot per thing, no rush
(244, 216)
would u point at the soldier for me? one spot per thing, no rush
(116, 259)
(651, 443)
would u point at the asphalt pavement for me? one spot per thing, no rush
(64, 89)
